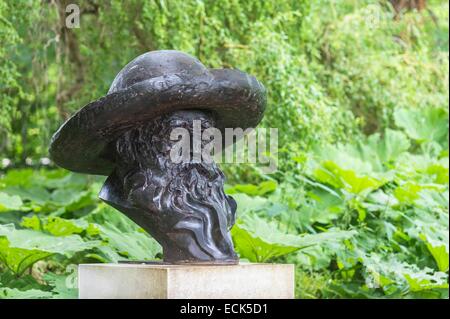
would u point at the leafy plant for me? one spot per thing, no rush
(258, 240)
(360, 199)
(22, 248)
(430, 124)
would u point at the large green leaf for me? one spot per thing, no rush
(18, 259)
(132, 245)
(36, 195)
(391, 274)
(425, 125)
(380, 151)
(30, 239)
(58, 226)
(11, 280)
(330, 173)
(10, 202)
(250, 204)
(375, 153)
(72, 200)
(410, 192)
(259, 240)
(124, 236)
(50, 179)
(439, 171)
(21, 248)
(390, 146)
(62, 285)
(322, 208)
(63, 227)
(261, 189)
(256, 249)
(439, 250)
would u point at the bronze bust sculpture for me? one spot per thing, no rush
(126, 136)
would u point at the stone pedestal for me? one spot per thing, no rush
(162, 281)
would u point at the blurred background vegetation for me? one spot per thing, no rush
(357, 88)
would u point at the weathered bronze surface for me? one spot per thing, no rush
(126, 136)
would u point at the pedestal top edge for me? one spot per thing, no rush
(183, 266)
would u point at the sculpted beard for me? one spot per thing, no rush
(182, 205)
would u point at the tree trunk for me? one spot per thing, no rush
(402, 5)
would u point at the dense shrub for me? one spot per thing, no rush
(360, 199)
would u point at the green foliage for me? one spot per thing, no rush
(53, 219)
(10, 293)
(19, 246)
(258, 240)
(381, 207)
(425, 126)
(8, 72)
(125, 238)
(78, 65)
(374, 64)
(360, 199)
(8, 202)
(62, 285)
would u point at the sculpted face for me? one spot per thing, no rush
(182, 205)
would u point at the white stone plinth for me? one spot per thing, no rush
(162, 281)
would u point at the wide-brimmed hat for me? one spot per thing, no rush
(154, 84)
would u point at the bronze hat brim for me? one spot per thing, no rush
(234, 98)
